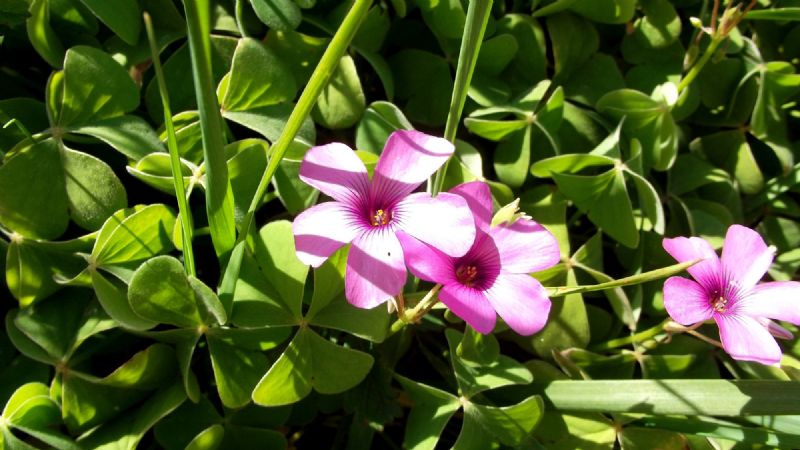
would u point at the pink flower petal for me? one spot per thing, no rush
(469, 304)
(425, 261)
(479, 199)
(707, 272)
(375, 271)
(778, 300)
(745, 256)
(744, 338)
(443, 222)
(321, 230)
(409, 158)
(336, 170)
(686, 301)
(775, 329)
(525, 246)
(521, 301)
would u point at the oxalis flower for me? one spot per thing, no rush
(369, 213)
(726, 290)
(493, 276)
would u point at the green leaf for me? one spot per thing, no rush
(93, 87)
(113, 297)
(495, 130)
(569, 163)
(93, 190)
(31, 270)
(568, 324)
(605, 199)
(281, 15)
(256, 302)
(475, 378)
(244, 170)
(730, 150)
(130, 135)
(512, 159)
(295, 195)
(724, 430)
(269, 121)
(605, 11)
(24, 344)
(341, 103)
(155, 170)
(160, 291)
(30, 406)
(424, 81)
(236, 370)
(571, 49)
(530, 62)
(275, 253)
(445, 18)
(379, 121)
(54, 325)
(311, 361)
(41, 35)
(33, 200)
(567, 431)
(432, 409)
(686, 397)
(496, 53)
(302, 52)
(510, 424)
(142, 234)
(122, 16)
(125, 432)
(595, 77)
(257, 78)
(208, 439)
(660, 26)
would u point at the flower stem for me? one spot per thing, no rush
(415, 314)
(641, 336)
(698, 66)
(172, 145)
(634, 279)
(474, 28)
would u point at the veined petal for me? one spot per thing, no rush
(525, 246)
(375, 270)
(521, 301)
(321, 230)
(744, 338)
(469, 304)
(707, 272)
(745, 256)
(775, 329)
(408, 159)
(336, 170)
(443, 222)
(425, 261)
(479, 200)
(686, 301)
(775, 300)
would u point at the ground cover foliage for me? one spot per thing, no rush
(137, 319)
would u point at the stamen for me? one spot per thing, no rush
(380, 218)
(466, 275)
(719, 303)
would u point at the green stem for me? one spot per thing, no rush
(319, 79)
(641, 336)
(415, 314)
(172, 144)
(695, 70)
(634, 279)
(219, 196)
(477, 18)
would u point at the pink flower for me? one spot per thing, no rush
(727, 291)
(494, 274)
(368, 214)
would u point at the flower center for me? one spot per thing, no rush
(466, 275)
(719, 303)
(380, 218)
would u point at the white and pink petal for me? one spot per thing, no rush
(336, 171)
(778, 300)
(745, 256)
(521, 301)
(525, 246)
(321, 230)
(686, 301)
(375, 271)
(426, 262)
(444, 222)
(708, 271)
(469, 304)
(479, 200)
(744, 338)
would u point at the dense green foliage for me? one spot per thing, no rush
(615, 122)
